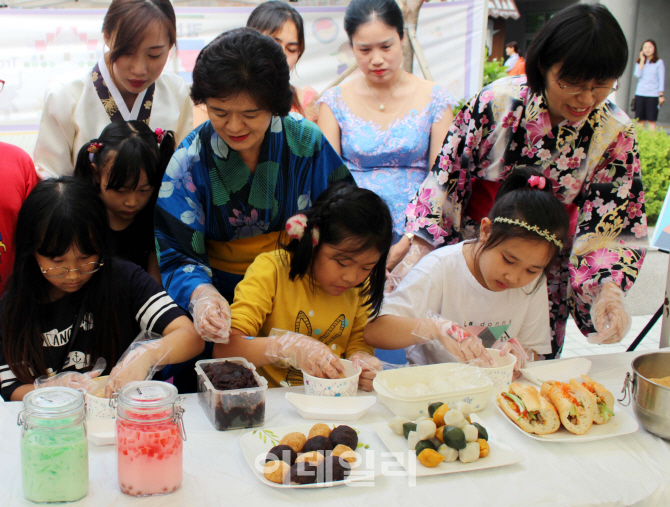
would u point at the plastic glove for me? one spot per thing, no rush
(370, 366)
(211, 314)
(512, 346)
(414, 255)
(139, 362)
(73, 379)
(303, 353)
(458, 342)
(609, 316)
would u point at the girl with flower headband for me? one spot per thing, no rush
(126, 165)
(482, 293)
(320, 287)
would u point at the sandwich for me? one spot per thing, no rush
(530, 411)
(573, 404)
(601, 398)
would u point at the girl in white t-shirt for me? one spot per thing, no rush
(485, 291)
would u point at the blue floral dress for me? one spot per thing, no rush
(593, 166)
(391, 162)
(213, 216)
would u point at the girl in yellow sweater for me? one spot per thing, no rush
(320, 289)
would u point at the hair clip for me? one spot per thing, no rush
(295, 228)
(532, 228)
(537, 181)
(95, 146)
(160, 135)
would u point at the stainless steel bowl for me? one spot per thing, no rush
(651, 401)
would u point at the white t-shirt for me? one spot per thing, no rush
(442, 282)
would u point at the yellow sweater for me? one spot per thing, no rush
(266, 299)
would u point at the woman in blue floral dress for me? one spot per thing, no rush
(387, 124)
(234, 180)
(557, 119)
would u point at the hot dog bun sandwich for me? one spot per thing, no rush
(573, 403)
(601, 398)
(530, 411)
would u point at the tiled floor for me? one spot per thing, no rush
(577, 345)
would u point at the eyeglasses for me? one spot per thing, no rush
(85, 269)
(2, 85)
(599, 91)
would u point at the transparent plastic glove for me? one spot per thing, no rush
(609, 316)
(414, 255)
(303, 353)
(139, 362)
(370, 366)
(458, 342)
(73, 379)
(512, 346)
(211, 314)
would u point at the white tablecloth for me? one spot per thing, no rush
(627, 470)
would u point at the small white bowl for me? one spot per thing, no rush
(347, 386)
(342, 408)
(98, 407)
(501, 374)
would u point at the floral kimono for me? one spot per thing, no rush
(593, 166)
(213, 216)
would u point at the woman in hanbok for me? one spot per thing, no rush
(127, 83)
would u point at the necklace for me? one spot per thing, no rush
(382, 105)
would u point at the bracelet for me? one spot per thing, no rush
(410, 237)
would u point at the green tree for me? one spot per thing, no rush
(655, 166)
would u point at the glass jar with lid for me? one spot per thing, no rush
(54, 446)
(149, 438)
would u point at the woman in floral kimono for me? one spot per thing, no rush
(235, 179)
(556, 118)
(127, 84)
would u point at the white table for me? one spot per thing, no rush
(627, 470)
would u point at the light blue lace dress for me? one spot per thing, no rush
(392, 162)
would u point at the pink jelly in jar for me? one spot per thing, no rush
(149, 438)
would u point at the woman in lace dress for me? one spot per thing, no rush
(387, 124)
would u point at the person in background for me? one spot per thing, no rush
(322, 286)
(127, 83)
(70, 303)
(650, 71)
(284, 24)
(512, 52)
(387, 123)
(125, 166)
(556, 118)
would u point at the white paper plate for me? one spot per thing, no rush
(563, 371)
(620, 424)
(501, 454)
(257, 443)
(100, 431)
(340, 408)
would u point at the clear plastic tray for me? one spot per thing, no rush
(234, 409)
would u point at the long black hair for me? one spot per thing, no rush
(58, 214)
(517, 199)
(585, 39)
(346, 213)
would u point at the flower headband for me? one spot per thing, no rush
(296, 225)
(533, 228)
(93, 148)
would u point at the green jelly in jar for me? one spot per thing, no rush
(54, 447)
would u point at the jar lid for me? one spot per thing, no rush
(53, 402)
(148, 394)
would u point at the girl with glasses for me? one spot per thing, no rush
(558, 119)
(69, 302)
